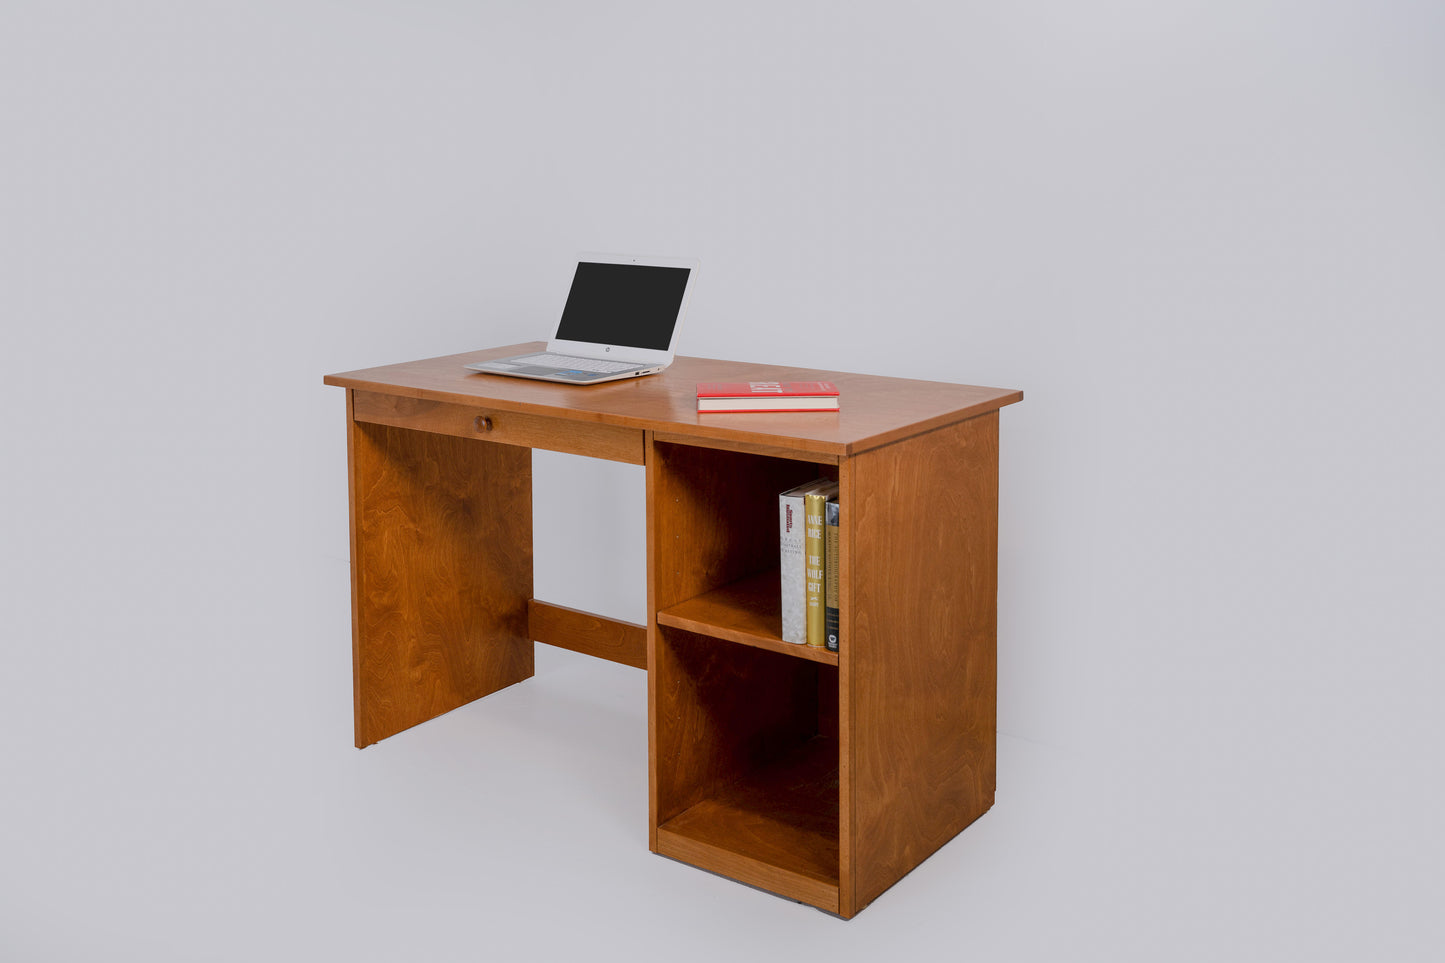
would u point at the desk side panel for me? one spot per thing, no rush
(921, 652)
(441, 573)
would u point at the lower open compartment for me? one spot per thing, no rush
(746, 775)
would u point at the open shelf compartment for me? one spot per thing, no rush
(748, 612)
(776, 828)
(745, 736)
(747, 765)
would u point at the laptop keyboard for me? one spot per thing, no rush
(574, 364)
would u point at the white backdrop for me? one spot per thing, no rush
(1204, 238)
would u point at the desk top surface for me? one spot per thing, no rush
(875, 410)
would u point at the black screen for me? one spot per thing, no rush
(629, 304)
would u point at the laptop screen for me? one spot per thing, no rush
(624, 304)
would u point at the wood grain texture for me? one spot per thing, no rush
(353, 504)
(725, 712)
(442, 572)
(823, 777)
(722, 715)
(921, 655)
(590, 634)
(712, 520)
(748, 612)
(776, 828)
(876, 410)
(772, 872)
(715, 516)
(751, 448)
(611, 442)
(656, 479)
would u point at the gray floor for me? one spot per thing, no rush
(240, 824)
(514, 828)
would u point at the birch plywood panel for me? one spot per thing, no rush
(922, 656)
(441, 570)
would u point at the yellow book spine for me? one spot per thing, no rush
(813, 552)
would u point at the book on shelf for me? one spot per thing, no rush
(792, 560)
(830, 574)
(743, 396)
(813, 503)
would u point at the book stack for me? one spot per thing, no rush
(808, 563)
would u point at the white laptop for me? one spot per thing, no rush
(620, 321)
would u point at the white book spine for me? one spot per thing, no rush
(790, 566)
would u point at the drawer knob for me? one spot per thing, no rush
(483, 423)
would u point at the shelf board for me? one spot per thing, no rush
(778, 829)
(748, 612)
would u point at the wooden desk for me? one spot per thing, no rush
(824, 777)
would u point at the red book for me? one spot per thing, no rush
(767, 396)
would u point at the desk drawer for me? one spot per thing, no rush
(611, 442)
